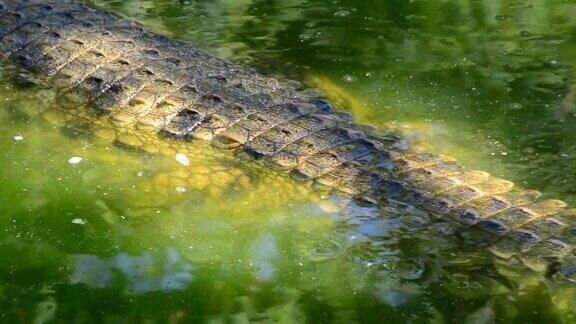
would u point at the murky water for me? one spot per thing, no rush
(97, 231)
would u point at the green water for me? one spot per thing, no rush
(93, 232)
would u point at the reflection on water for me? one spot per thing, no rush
(144, 273)
(265, 252)
(108, 226)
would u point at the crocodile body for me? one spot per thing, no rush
(145, 80)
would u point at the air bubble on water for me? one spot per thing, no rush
(140, 173)
(502, 17)
(342, 14)
(79, 221)
(75, 160)
(306, 37)
(180, 189)
(19, 138)
(182, 159)
(325, 250)
(348, 78)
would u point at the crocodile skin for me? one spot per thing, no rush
(139, 78)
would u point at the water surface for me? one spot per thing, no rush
(96, 231)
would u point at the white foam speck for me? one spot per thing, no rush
(183, 159)
(79, 221)
(19, 138)
(180, 189)
(75, 160)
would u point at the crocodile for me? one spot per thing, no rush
(136, 78)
